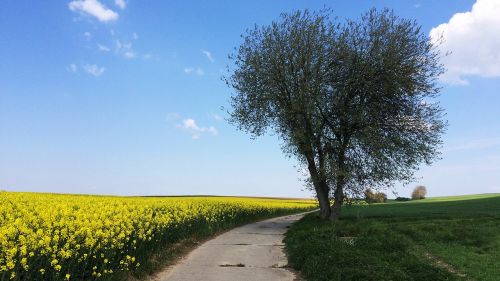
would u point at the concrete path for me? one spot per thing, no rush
(250, 252)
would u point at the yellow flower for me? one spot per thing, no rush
(67, 231)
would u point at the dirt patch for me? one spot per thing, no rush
(444, 265)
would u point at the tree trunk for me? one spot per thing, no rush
(337, 205)
(324, 200)
(340, 181)
(321, 187)
(339, 191)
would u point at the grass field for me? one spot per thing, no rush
(80, 237)
(442, 238)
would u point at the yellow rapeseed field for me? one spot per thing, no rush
(80, 237)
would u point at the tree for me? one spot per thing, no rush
(419, 192)
(352, 101)
(375, 197)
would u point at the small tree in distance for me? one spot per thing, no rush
(352, 101)
(375, 197)
(419, 192)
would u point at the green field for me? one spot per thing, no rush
(442, 238)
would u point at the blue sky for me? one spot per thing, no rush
(124, 97)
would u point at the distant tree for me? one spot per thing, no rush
(369, 196)
(352, 101)
(419, 192)
(375, 197)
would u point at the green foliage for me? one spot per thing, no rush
(352, 100)
(403, 199)
(392, 241)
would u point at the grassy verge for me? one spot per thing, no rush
(449, 238)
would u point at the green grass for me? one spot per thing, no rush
(442, 238)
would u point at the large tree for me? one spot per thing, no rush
(352, 100)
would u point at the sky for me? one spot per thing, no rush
(125, 97)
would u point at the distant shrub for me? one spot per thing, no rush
(403, 199)
(375, 197)
(354, 201)
(419, 192)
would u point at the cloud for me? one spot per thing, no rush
(72, 68)
(190, 126)
(217, 117)
(93, 8)
(130, 55)
(120, 3)
(472, 38)
(209, 55)
(125, 49)
(191, 70)
(173, 116)
(103, 48)
(87, 35)
(94, 69)
(200, 72)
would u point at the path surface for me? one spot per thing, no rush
(250, 252)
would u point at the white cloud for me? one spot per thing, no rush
(130, 55)
(173, 116)
(72, 68)
(217, 117)
(93, 8)
(94, 69)
(120, 3)
(190, 126)
(191, 70)
(209, 55)
(87, 35)
(103, 48)
(125, 49)
(474, 42)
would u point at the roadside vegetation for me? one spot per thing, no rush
(82, 237)
(443, 238)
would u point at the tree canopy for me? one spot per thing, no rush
(353, 101)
